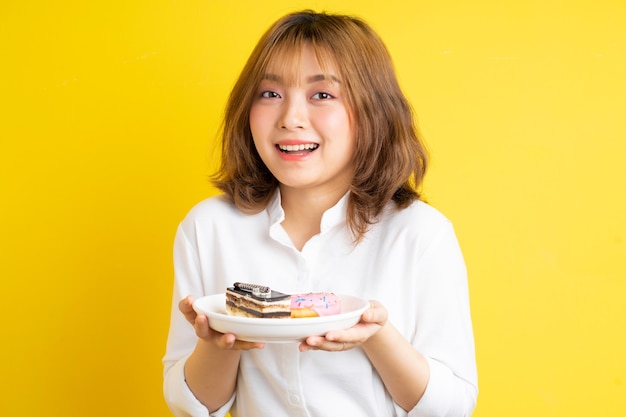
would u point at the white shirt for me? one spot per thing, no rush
(409, 261)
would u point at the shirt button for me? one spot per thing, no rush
(294, 399)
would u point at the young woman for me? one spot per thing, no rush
(321, 170)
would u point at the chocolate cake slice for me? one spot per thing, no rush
(251, 300)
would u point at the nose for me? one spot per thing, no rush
(294, 114)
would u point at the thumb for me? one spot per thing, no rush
(376, 313)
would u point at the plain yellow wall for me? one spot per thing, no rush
(108, 115)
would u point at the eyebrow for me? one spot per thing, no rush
(321, 77)
(310, 80)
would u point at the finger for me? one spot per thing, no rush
(226, 341)
(323, 343)
(186, 307)
(376, 313)
(355, 334)
(313, 342)
(243, 345)
(230, 341)
(337, 346)
(186, 304)
(201, 325)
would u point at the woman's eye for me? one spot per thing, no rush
(269, 94)
(322, 96)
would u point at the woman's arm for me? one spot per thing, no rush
(403, 370)
(200, 365)
(211, 370)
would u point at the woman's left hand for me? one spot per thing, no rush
(372, 320)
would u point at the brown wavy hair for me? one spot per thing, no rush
(390, 159)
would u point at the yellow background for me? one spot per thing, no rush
(108, 114)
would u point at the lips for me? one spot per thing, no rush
(298, 148)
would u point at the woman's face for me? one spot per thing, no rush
(303, 131)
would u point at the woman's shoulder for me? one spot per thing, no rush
(419, 218)
(420, 212)
(218, 206)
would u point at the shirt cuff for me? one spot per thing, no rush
(445, 394)
(181, 401)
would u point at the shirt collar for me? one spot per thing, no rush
(332, 217)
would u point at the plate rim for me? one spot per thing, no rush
(294, 328)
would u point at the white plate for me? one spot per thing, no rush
(278, 330)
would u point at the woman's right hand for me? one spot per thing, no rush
(200, 323)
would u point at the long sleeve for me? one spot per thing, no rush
(182, 338)
(444, 330)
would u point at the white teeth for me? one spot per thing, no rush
(300, 147)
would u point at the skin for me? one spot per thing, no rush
(311, 113)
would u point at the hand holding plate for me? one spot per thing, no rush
(200, 323)
(372, 320)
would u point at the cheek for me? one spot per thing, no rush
(259, 128)
(337, 121)
(342, 129)
(255, 120)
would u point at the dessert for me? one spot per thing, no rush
(315, 304)
(251, 300)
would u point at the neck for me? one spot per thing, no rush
(304, 210)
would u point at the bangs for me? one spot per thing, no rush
(284, 59)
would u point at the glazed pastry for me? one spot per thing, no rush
(315, 304)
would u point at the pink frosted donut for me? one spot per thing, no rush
(315, 304)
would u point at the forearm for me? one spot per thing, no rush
(404, 371)
(211, 374)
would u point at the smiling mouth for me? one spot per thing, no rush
(298, 149)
